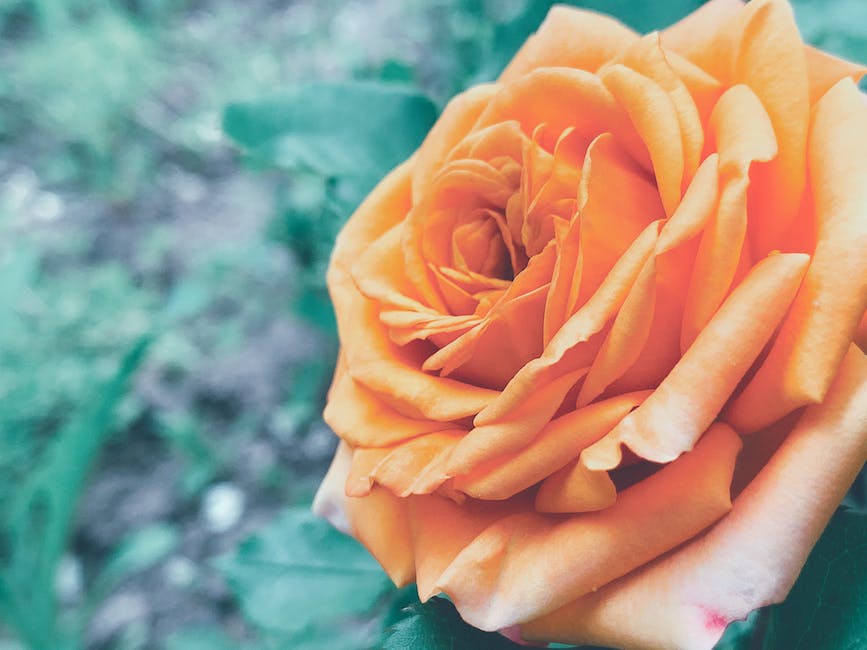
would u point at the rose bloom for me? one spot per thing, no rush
(600, 378)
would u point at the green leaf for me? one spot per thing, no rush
(300, 575)
(34, 537)
(355, 130)
(435, 625)
(827, 607)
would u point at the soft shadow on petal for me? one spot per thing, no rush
(751, 557)
(689, 399)
(530, 564)
(824, 317)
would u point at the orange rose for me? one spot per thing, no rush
(599, 375)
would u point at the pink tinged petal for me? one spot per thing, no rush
(571, 38)
(379, 521)
(527, 565)
(825, 315)
(751, 557)
(673, 418)
(329, 502)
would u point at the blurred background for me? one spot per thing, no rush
(166, 340)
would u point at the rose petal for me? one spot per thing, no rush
(674, 256)
(616, 201)
(702, 37)
(655, 117)
(564, 98)
(329, 502)
(486, 441)
(824, 317)
(575, 488)
(404, 468)
(556, 444)
(647, 57)
(756, 37)
(570, 38)
(563, 353)
(769, 35)
(626, 338)
(530, 564)
(743, 135)
(455, 122)
(826, 70)
(441, 529)
(379, 521)
(749, 559)
(671, 420)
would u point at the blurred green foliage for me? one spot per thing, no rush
(100, 102)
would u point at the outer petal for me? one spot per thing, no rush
(379, 520)
(749, 559)
(825, 315)
(571, 38)
(360, 417)
(748, 45)
(530, 564)
(329, 500)
(826, 70)
(453, 125)
(703, 38)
